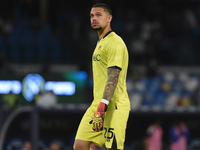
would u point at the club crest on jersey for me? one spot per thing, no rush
(99, 48)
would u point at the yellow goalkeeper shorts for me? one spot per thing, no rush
(114, 129)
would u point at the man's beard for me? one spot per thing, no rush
(97, 29)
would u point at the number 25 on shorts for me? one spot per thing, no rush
(110, 133)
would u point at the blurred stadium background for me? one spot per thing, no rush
(45, 51)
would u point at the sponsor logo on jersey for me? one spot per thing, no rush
(96, 57)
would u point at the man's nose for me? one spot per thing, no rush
(94, 18)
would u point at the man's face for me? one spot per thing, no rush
(99, 18)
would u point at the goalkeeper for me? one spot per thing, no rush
(105, 120)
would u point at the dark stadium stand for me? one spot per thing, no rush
(162, 37)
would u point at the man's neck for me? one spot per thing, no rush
(103, 32)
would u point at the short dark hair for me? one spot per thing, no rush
(104, 6)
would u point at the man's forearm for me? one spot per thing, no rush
(113, 76)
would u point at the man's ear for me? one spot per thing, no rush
(109, 18)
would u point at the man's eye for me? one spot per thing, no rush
(98, 15)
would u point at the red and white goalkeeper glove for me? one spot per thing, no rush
(98, 117)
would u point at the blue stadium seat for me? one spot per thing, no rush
(28, 44)
(42, 43)
(55, 47)
(2, 45)
(14, 46)
(160, 97)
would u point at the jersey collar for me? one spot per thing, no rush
(107, 34)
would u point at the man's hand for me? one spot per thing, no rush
(97, 122)
(98, 117)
